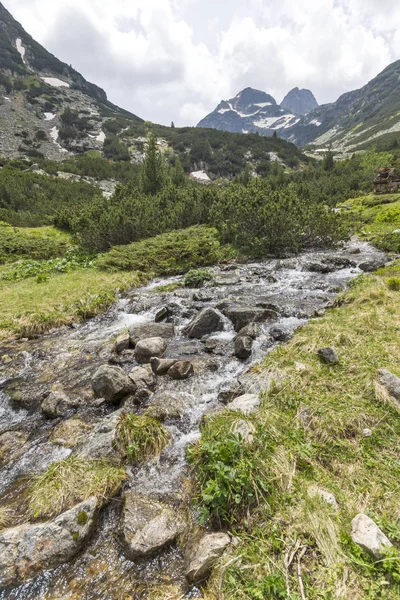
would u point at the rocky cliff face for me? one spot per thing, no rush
(299, 102)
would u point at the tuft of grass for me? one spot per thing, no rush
(6, 517)
(196, 277)
(70, 481)
(393, 284)
(141, 437)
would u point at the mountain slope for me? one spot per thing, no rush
(251, 111)
(299, 102)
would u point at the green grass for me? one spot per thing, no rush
(35, 243)
(378, 219)
(70, 481)
(141, 437)
(329, 451)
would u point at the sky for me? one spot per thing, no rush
(175, 60)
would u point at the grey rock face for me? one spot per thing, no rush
(391, 383)
(112, 384)
(299, 102)
(151, 330)
(243, 346)
(167, 405)
(247, 404)
(183, 369)
(160, 366)
(58, 404)
(242, 316)
(207, 321)
(366, 534)
(101, 441)
(328, 356)
(202, 554)
(148, 348)
(29, 549)
(147, 526)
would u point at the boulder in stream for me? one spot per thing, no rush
(169, 405)
(160, 366)
(202, 553)
(112, 384)
(252, 330)
(138, 333)
(58, 404)
(244, 315)
(243, 346)
(28, 549)
(207, 321)
(182, 369)
(101, 442)
(121, 343)
(149, 348)
(148, 526)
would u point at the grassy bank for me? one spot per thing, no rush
(309, 437)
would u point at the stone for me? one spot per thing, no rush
(138, 333)
(243, 346)
(112, 384)
(244, 315)
(147, 526)
(58, 404)
(280, 333)
(367, 432)
(202, 554)
(328, 356)
(366, 534)
(149, 348)
(70, 433)
(391, 383)
(29, 549)
(252, 330)
(372, 264)
(252, 383)
(169, 405)
(12, 445)
(207, 321)
(287, 263)
(143, 377)
(160, 366)
(244, 430)
(183, 369)
(215, 346)
(101, 442)
(327, 497)
(121, 343)
(247, 404)
(162, 314)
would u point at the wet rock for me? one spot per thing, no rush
(372, 264)
(391, 383)
(148, 526)
(207, 321)
(243, 346)
(317, 266)
(121, 343)
(58, 404)
(226, 279)
(252, 330)
(366, 534)
(182, 369)
(162, 314)
(30, 549)
(203, 296)
(244, 430)
(143, 377)
(280, 333)
(215, 346)
(151, 330)
(247, 404)
(169, 405)
(12, 445)
(202, 554)
(160, 366)
(101, 442)
(112, 384)
(242, 316)
(149, 348)
(287, 263)
(70, 433)
(328, 356)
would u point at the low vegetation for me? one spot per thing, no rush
(197, 277)
(67, 482)
(141, 437)
(378, 219)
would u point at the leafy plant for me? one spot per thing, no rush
(196, 277)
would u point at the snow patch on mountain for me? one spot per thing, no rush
(48, 116)
(53, 81)
(20, 49)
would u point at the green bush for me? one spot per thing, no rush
(393, 284)
(196, 277)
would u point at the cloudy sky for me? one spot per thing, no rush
(177, 59)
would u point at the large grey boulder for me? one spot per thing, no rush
(160, 366)
(244, 315)
(391, 383)
(247, 404)
(121, 343)
(143, 377)
(58, 404)
(112, 384)
(366, 534)
(29, 549)
(148, 348)
(252, 330)
(182, 369)
(372, 264)
(168, 405)
(202, 554)
(147, 526)
(150, 330)
(243, 346)
(101, 442)
(207, 321)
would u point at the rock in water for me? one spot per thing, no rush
(243, 346)
(207, 321)
(202, 554)
(112, 384)
(101, 442)
(148, 348)
(121, 343)
(244, 315)
(58, 404)
(328, 356)
(182, 369)
(167, 405)
(147, 526)
(29, 549)
(366, 534)
(252, 330)
(160, 366)
(151, 330)
(143, 377)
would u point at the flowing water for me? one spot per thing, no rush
(66, 359)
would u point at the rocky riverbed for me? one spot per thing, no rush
(175, 356)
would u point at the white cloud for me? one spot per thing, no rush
(176, 59)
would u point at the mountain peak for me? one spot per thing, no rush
(299, 102)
